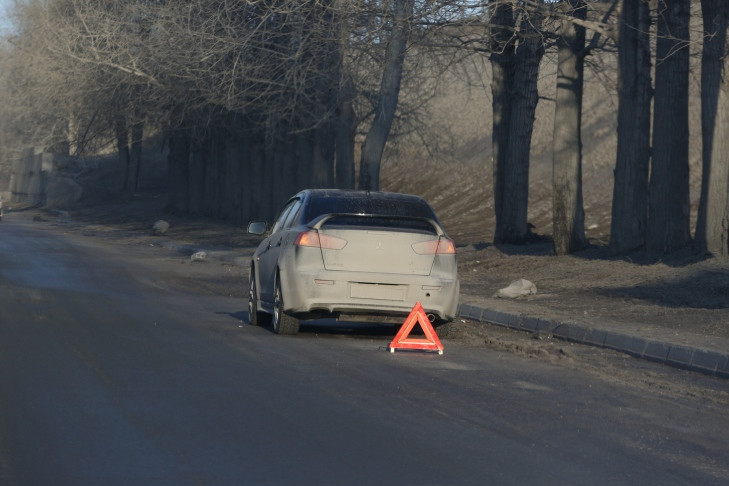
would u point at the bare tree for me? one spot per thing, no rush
(388, 96)
(502, 69)
(712, 228)
(43, 97)
(715, 194)
(630, 193)
(85, 71)
(669, 208)
(568, 218)
(518, 47)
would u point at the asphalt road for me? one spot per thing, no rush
(114, 371)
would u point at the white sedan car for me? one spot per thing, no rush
(352, 255)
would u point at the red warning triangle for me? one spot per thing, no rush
(429, 343)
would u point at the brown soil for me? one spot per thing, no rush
(681, 296)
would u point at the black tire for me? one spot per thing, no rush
(255, 317)
(282, 323)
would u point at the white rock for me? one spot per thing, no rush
(518, 288)
(160, 227)
(198, 256)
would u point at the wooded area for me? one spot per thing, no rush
(260, 98)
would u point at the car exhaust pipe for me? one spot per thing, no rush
(431, 318)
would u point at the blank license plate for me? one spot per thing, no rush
(380, 292)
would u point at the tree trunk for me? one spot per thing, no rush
(502, 69)
(711, 236)
(668, 201)
(568, 214)
(261, 207)
(374, 145)
(239, 155)
(345, 130)
(178, 172)
(630, 192)
(135, 174)
(717, 191)
(122, 148)
(512, 227)
(214, 167)
(322, 166)
(196, 175)
(717, 207)
(283, 182)
(304, 160)
(345, 123)
(233, 179)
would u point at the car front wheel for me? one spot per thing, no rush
(282, 322)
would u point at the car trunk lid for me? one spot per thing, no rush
(379, 245)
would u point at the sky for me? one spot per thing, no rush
(4, 22)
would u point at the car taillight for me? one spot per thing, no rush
(317, 240)
(441, 246)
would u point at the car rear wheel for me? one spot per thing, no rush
(255, 317)
(282, 322)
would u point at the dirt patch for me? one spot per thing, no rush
(686, 292)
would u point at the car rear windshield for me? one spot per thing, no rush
(400, 212)
(370, 205)
(401, 224)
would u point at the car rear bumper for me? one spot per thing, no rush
(333, 292)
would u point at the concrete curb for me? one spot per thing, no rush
(679, 356)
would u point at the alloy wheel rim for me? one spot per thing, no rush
(276, 307)
(251, 298)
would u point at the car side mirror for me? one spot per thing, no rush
(257, 227)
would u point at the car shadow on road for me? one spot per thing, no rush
(332, 327)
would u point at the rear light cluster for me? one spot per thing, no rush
(316, 240)
(441, 246)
